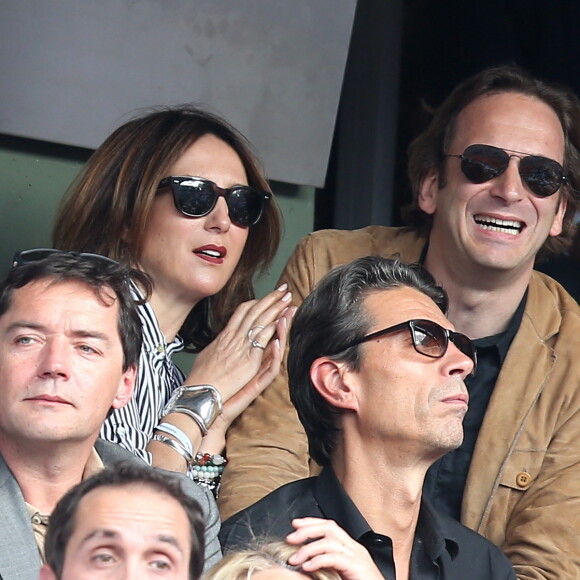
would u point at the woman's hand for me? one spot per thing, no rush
(329, 546)
(240, 364)
(235, 362)
(235, 356)
(214, 441)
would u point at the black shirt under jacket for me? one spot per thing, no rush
(443, 548)
(445, 480)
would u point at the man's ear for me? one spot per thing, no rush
(558, 222)
(333, 380)
(428, 191)
(126, 388)
(46, 573)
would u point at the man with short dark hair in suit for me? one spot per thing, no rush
(70, 338)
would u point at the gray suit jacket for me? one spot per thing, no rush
(19, 558)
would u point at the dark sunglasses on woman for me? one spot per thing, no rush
(481, 163)
(196, 197)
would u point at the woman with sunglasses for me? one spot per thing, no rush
(178, 194)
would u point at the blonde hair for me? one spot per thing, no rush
(242, 565)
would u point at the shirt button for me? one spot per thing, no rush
(378, 542)
(121, 431)
(36, 519)
(523, 479)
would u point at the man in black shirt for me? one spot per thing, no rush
(377, 378)
(495, 179)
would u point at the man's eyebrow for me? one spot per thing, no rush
(91, 334)
(169, 540)
(99, 533)
(81, 333)
(24, 324)
(111, 534)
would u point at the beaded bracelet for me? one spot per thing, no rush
(207, 469)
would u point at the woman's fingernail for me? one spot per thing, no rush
(283, 287)
(286, 296)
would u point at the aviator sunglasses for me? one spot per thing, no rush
(481, 163)
(196, 197)
(429, 339)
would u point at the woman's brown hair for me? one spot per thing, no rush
(105, 210)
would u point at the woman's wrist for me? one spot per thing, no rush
(215, 440)
(203, 403)
(187, 426)
(164, 457)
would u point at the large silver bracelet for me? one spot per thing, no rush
(203, 403)
(176, 446)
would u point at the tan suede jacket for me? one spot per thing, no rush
(523, 486)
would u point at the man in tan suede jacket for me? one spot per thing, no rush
(494, 179)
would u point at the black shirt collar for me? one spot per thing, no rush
(432, 535)
(336, 505)
(503, 340)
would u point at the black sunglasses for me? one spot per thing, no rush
(480, 163)
(429, 339)
(196, 197)
(29, 256)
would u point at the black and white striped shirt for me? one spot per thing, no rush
(132, 425)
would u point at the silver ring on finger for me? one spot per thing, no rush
(254, 342)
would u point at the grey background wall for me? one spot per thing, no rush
(273, 68)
